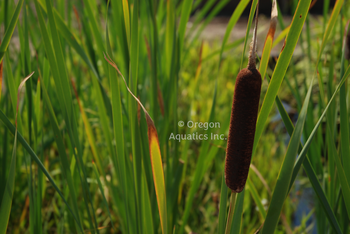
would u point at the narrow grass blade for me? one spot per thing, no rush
(126, 19)
(26, 146)
(132, 107)
(147, 216)
(231, 213)
(95, 29)
(119, 160)
(313, 133)
(51, 58)
(169, 35)
(185, 15)
(10, 29)
(103, 194)
(282, 35)
(344, 183)
(256, 198)
(237, 217)
(233, 20)
(88, 130)
(223, 206)
(285, 174)
(156, 159)
(57, 60)
(62, 153)
(70, 38)
(12, 88)
(265, 57)
(158, 174)
(0, 75)
(310, 172)
(199, 66)
(6, 202)
(344, 117)
(321, 196)
(332, 20)
(281, 67)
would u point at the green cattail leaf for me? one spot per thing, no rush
(156, 159)
(103, 194)
(26, 146)
(344, 117)
(281, 67)
(310, 172)
(223, 206)
(10, 29)
(282, 35)
(6, 202)
(285, 174)
(231, 24)
(256, 198)
(237, 217)
(185, 15)
(62, 153)
(341, 175)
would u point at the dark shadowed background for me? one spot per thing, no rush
(286, 7)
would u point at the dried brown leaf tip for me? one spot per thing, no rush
(243, 122)
(19, 92)
(273, 21)
(152, 131)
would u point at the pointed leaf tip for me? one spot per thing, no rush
(18, 92)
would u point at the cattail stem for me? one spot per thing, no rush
(253, 44)
(231, 212)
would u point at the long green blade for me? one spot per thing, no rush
(285, 174)
(9, 30)
(6, 203)
(281, 67)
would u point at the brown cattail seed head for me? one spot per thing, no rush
(242, 128)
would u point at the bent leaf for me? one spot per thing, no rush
(6, 202)
(156, 158)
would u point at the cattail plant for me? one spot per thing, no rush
(243, 121)
(242, 126)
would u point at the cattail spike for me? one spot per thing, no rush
(253, 44)
(244, 114)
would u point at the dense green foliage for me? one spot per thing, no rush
(77, 158)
